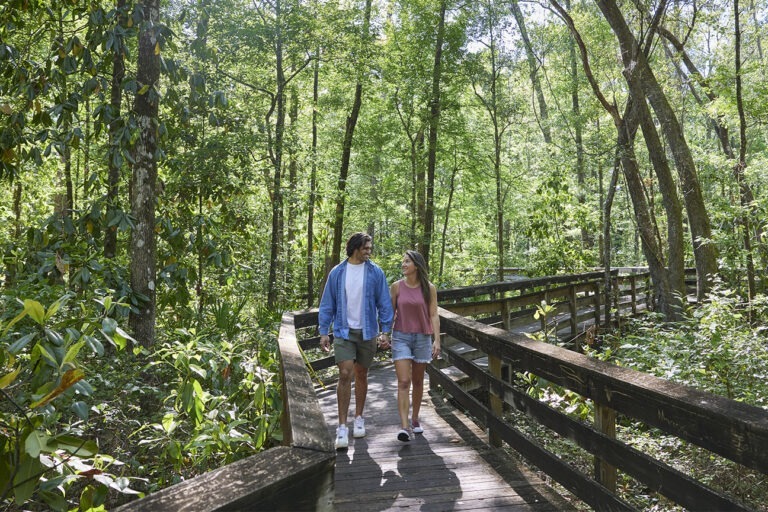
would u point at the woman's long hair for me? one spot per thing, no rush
(423, 272)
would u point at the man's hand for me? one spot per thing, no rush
(384, 341)
(325, 343)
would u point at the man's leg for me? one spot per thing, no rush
(344, 389)
(361, 389)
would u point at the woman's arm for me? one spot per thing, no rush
(435, 319)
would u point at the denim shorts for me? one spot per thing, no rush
(412, 345)
(355, 349)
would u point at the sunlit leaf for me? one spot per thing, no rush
(35, 310)
(69, 378)
(7, 379)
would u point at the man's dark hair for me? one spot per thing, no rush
(356, 241)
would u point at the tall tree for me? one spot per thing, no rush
(346, 148)
(115, 159)
(745, 192)
(144, 174)
(434, 122)
(643, 84)
(636, 114)
(533, 72)
(489, 88)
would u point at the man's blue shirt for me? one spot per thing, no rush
(333, 305)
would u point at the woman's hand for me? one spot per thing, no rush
(436, 348)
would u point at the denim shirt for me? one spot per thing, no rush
(333, 305)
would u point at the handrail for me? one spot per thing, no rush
(295, 476)
(734, 430)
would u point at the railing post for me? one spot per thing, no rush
(616, 294)
(497, 404)
(605, 422)
(597, 303)
(573, 310)
(633, 285)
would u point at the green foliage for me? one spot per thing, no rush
(219, 400)
(718, 349)
(44, 357)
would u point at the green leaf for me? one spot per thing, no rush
(81, 409)
(35, 310)
(12, 322)
(73, 445)
(7, 380)
(73, 351)
(169, 423)
(109, 325)
(94, 345)
(54, 308)
(25, 481)
(21, 343)
(35, 443)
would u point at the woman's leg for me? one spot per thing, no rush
(403, 371)
(417, 381)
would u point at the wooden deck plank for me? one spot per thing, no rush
(449, 467)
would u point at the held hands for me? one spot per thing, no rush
(384, 341)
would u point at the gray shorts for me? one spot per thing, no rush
(355, 349)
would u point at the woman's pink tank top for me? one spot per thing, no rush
(411, 313)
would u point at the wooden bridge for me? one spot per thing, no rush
(470, 456)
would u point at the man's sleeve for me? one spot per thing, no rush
(384, 304)
(327, 307)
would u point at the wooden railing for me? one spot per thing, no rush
(295, 476)
(731, 429)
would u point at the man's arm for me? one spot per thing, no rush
(327, 308)
(384, 304)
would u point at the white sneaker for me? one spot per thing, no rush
(359, 429)
(342, 437)
(403, 436)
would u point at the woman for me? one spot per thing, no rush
(415, 337)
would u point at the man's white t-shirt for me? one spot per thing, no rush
(353, 285)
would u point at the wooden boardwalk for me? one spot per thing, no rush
(449, 467)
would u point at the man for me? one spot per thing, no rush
(357, 304)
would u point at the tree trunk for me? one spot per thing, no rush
(346, 150)
(533, 72)
(587, 239)
(277, 163)
(643, 215)
(144, 177)
(313, 187)
(293, 176)
(114, 154)
(607, 208)
(626, 127)
(642, 84)
(745, 193)
(721, 129)
(434, 120)
(451, 189)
